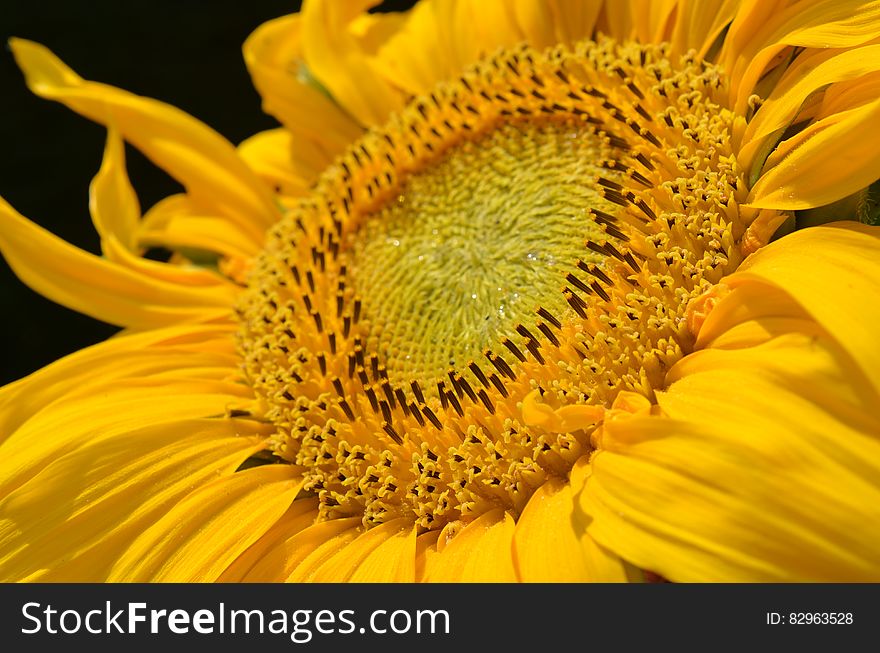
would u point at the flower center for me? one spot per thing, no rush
(441, 326)
(474, 244)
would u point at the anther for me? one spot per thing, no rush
(477, 372)
(417, 391)
(543, 328)
(532, 345)
(432, 418)
(507, 342)
(500, 364)
(462, 382)
(499, 385)
(386, 426)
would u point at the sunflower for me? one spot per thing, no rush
(517, 291)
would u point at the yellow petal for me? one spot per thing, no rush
(765, 463)
(110, 363)
(279, 560)
(547, 547)
(480, 553)
(698, 24)
(98, 287)
(393, 561)
(116, 215)
(74, 518)
(62, 426)
(767, 28)
(269, 155)
(309, 549)
(546, 24)
(112, 201)
(808, 74)
(775, 478)
(420, 54)
(335, 57)
(301, 514)
(202, 160)
(203, 534)
(319, 128)
(177, 224)
(833, 272)
(647, 22)
(822, 164)
(384, 553)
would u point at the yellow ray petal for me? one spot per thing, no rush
(546, 24)
(116, 215)
(480, 553)
(410, 60)
(282, 559)
(112, 201)
(766, 462)
(203, 534)
(177, 224)
(385, 553)
(727, 488)
(698, 24)
(301, 514)
(202, 160)
(98, 287)
(336, 58)
(78, 515)
(836, 287)
(63, 426)
(822, 24)
(547, 548)
(110, 363)
(322, 553)
(648, 22)
(320, 129)
(393, 561)
(807, 75)
(269, 155)
(808, 170)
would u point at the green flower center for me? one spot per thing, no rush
(475, 244)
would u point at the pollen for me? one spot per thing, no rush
(442, 325)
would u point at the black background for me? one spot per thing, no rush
(184, 52)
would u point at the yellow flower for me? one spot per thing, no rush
(498, 301)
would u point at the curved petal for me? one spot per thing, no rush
(698, 26)
(480, 553)
(764, 29)
(336, 58)
(269, 155)
(99, 287)
(319, 128)
(205, 532)
(808, 74)
(301, 514)
(177, 224)
(116, 215)
(725, 489)
(385, 553)
(112, 201)
(202, 160)
(279, 561)
(808, 170)
(832, 271)
(547, 547)
(108, 364)
(765, 461)
(74, 518)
